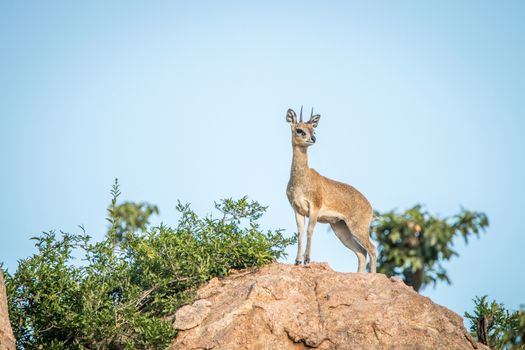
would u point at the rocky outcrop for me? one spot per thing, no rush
(7, 339)
(295, 307)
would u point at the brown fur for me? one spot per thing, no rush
(327, 201)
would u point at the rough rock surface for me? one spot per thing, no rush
(190, 316)
(294, 307)
(7, 339)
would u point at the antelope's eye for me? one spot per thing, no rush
(300, 132)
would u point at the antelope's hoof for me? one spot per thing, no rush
(297, 262)
(306, 261)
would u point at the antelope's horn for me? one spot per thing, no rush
(301, 115)
(312, 114)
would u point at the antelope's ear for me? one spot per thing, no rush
(291, 117)
(314, 120)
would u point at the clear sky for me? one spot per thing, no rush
(420, 102)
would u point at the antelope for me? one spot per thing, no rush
(324, 200)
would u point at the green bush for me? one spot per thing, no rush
(495, 326)
(122, 293)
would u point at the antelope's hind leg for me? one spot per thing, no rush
(361, 236)
(343, 233)
(371, 248)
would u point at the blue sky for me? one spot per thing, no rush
(420, 102)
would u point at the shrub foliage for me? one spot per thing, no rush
(495, 326)
(124, 290)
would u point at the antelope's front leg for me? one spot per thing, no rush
(300, 231)
(310, 232)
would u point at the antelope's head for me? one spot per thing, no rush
(303, 134)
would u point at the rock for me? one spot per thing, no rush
(190, 316)
(293, 307)
(7, 339)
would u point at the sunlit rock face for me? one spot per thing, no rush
(296, 307)
(7, 339)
